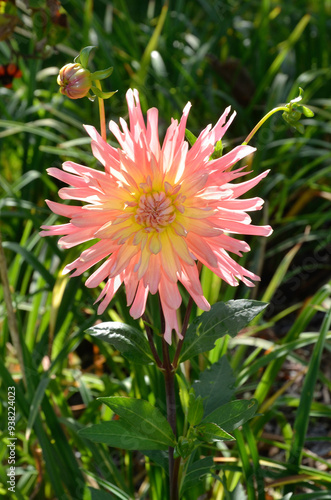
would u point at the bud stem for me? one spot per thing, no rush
(261, 122)
(101, 112)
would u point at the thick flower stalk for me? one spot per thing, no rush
(155, 211)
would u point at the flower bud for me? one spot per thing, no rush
(74, 80)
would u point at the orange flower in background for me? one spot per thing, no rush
(155, 211)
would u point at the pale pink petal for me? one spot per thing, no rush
(108, 292)
(139, 303)
(169, 293)
(243, 187)
(152, 135)
(171, 323)
(65, 210)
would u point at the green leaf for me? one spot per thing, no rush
(100, 494)
(195, 409)
(196, 472)
(184, 447)
(102, 95)
(34, 407)
(32, 260)
(216, 385)
(302, 418)
(211, 432)
(126, 339)
(223, 319)
(233, 414)
(108, 486)
(190, 137)
(121, 435)
(218, 151)
(143, 419)
(159, 457)
(307, 112)
(84, 55)
(102, 74)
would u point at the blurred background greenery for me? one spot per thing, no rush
(252, 55)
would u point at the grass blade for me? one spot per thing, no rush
(303, 413)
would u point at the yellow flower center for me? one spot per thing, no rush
(155, 211)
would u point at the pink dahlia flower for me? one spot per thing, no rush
(155, 211)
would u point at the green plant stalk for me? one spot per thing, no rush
(169, 379)
(101, 112)
(169, 369)
(261, 122)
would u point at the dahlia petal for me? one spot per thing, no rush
(202, 227)
(171, 323)
(135, 115)
(197, 213)
(229, 216)
(131, 284)
(123, 139)
(247, 205)
(220, 127)
(77, 237)
(227, 161)
(179, 164)
(109, 291)
(85, 172)
(199, 299)
(84, 194)
(229, 243)
(182, 123)
(154, 211)
(151, 133)
(243, 187)
(179, 246)
(61, 209)
(58, 229)
(142, 266)
(195, 183)
(139, 303)
(201, 249)
(154, 244)
(113, 231)
(99, 275)
(125, 254)
(169, 293)
(72, 180)
(153, 274)
(104, 152)
(87, 218)
(191, 273)
(168, 259)
(168, 146)
(89, 257)
(241, 228)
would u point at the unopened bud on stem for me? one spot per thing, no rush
(74, 80)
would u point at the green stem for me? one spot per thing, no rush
(169, 378)
(149, 333)
(261, 122)
(183, 332)
(101, 112)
